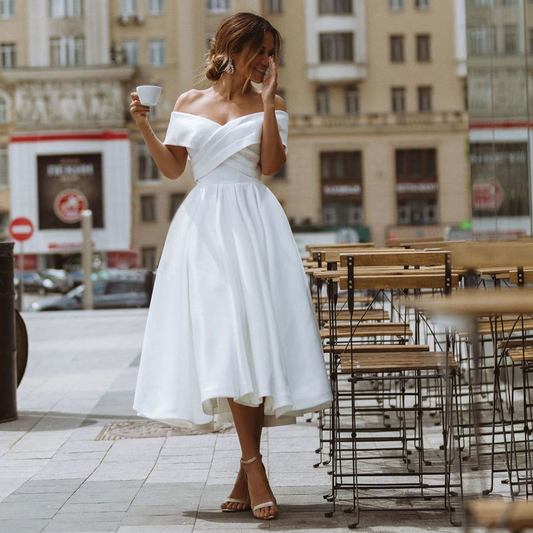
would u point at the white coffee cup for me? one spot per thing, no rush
(148, 94)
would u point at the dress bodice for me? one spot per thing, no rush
(235, 145)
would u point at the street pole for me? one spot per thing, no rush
(21, 274)
(87, 258)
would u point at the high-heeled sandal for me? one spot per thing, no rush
(260, 505)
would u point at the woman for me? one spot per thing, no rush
(231, 329)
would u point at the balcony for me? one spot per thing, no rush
(127, 20)
(379, 121)
(336, 72)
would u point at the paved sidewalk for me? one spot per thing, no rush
(55, 476)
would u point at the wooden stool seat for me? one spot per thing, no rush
(505, 326)
(370, 330)
(517, 354)
(375, 348)
(360, 314)
(396, 362)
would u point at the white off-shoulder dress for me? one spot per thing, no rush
(231, 314)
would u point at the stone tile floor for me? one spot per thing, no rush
(55, 476)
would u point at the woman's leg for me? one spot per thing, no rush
(249, 424)
(240, 489)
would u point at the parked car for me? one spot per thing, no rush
(56, 280)
(110, 293)
(32, 282)
(76, 276)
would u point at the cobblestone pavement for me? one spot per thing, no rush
(57, 476)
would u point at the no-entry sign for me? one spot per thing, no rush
(21, 229)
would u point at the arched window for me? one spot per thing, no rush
(3, 110)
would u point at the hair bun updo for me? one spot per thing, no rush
(238, 32)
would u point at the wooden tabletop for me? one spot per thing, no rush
(478, 302)
(513, 516)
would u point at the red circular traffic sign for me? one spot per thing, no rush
(21, 229)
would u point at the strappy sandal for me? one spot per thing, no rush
(260, 505)
(236, 509)
(236, 500)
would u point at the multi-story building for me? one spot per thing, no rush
(375, 90)
(500, 51)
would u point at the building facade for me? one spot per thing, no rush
(375, 89)
(500, 56)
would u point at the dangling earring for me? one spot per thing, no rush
(230, 69)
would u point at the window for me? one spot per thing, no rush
(341, 165)
(131, 51)
(7, 9)
(175, 201)
(417, 212)
(129, 8)
(61, 9)
(148, 208)
(425, 97)
(146, 168)
(351, 99)
(416, 162)
(8, 56)
(398, 99)
(275, 6)
(67, 51)
(421, 4)
(481, 40)
(396, 5)
(500, 182)
(423, 47)
(396, 48)
(322, 101)
(4, 177)
(336, 47)
(334, 7)
(3, 110)
(510, 39)
(217, 6)
(156, 7)
(157, 52)
(342, 214)
(148, 257)
(416, 186)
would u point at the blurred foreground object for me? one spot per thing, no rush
(8, 369)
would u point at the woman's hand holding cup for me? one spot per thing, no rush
(139, 111)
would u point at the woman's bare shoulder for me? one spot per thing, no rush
(188, 98)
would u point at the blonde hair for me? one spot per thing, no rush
(239, 32)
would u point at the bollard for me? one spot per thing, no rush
(8, 351)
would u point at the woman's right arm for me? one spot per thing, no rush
(170, 160)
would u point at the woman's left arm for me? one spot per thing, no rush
(272, 149)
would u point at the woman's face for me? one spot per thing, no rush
(259, 63)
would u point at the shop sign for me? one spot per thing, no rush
(341, 190)
(487, 195)
(417, 188)
(68, 184)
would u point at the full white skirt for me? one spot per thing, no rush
(231, 315)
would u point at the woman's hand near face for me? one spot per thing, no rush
(139, 111)
(271, 84)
